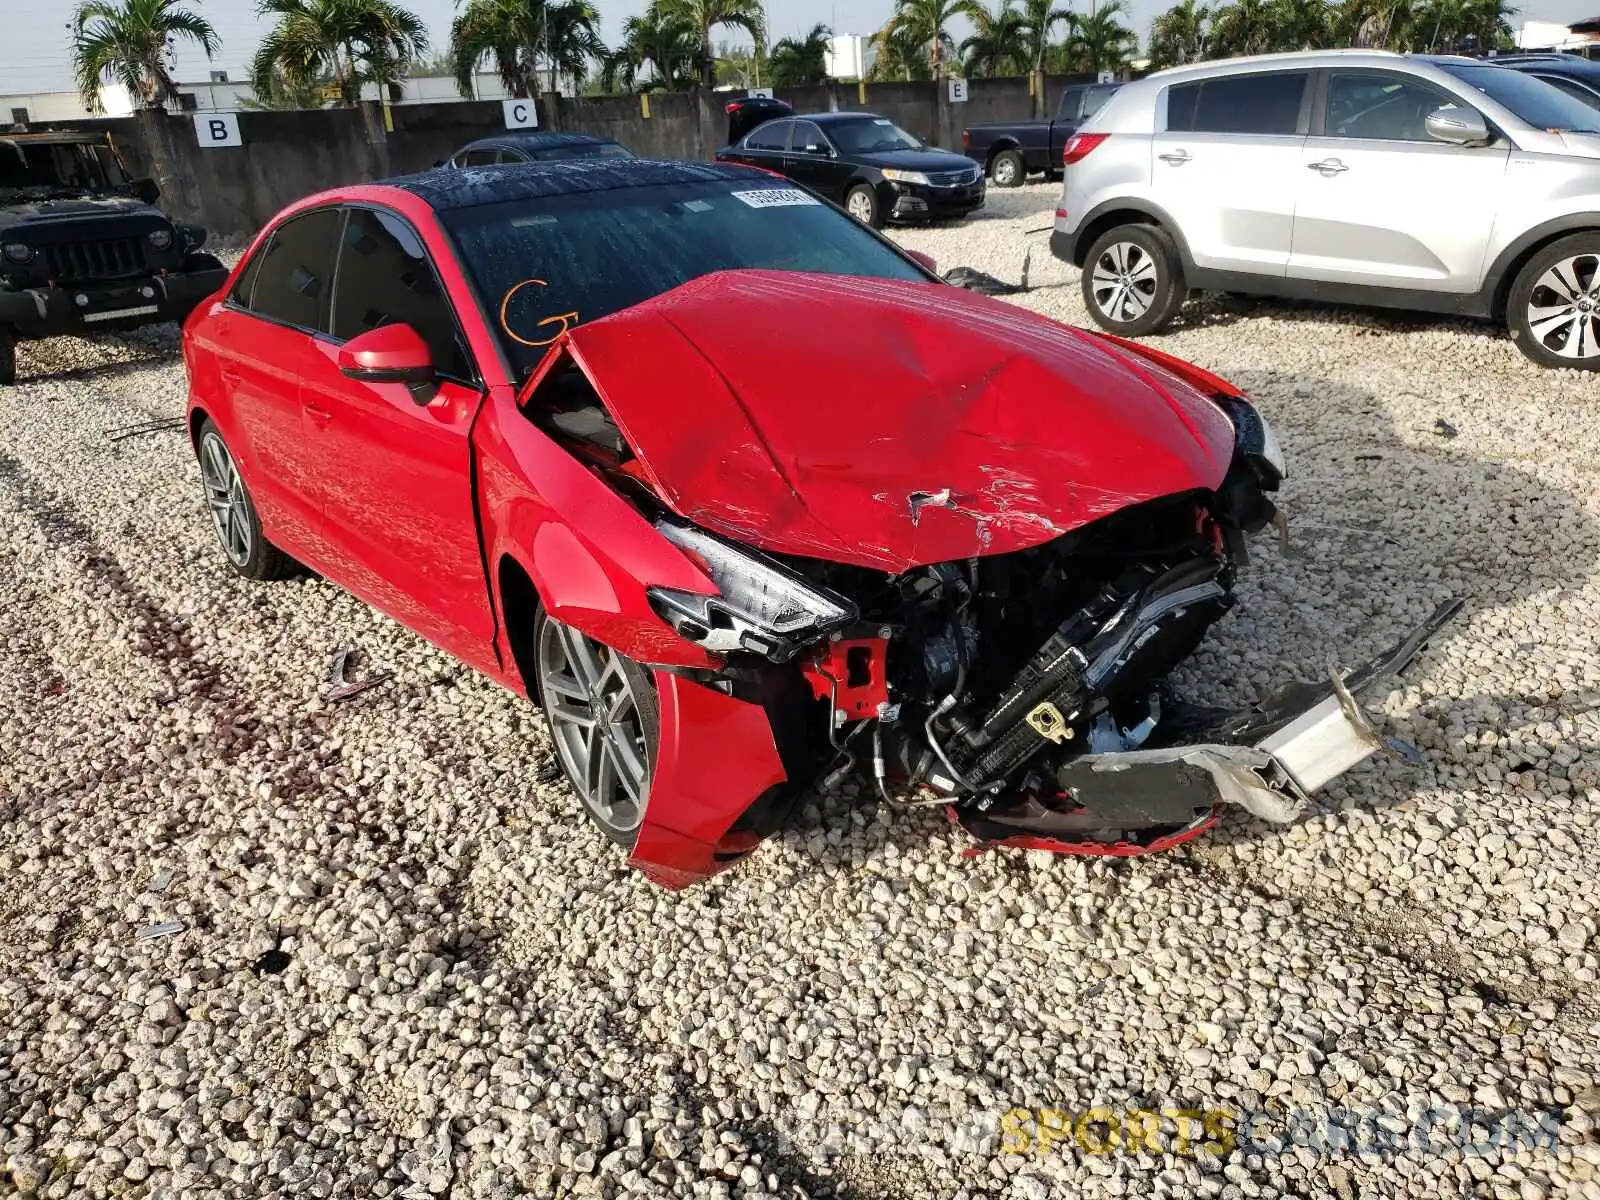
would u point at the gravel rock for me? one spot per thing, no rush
(408, 967)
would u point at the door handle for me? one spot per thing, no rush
(1328, 166)
(320, 416)
(1176, 157)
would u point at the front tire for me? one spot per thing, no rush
(861, 202)
(233, 512)
(605, 722)
(1007, 170)
(1133, 280)
(1553, 310)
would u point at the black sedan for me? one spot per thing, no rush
(877, 171)
(536, 147)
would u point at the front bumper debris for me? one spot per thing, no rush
(1267, 760)
(90, 307)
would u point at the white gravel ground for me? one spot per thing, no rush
(471, 995)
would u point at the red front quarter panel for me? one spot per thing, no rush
(590, 554)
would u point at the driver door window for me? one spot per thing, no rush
(1388, 108)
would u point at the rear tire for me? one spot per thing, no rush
(233, 512)
(1553, 310)
(1007, 170)
(1133, 280)
(604, 721)
(861, 202)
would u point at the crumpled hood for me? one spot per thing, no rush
(889, 424)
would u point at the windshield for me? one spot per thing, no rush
(56, 168)
(542, 265)
(583, 150)
(870, 135)
(1534, 100)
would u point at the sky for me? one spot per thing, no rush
(36, 56)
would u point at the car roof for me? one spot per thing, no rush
(1295, 58)
(1555, 64)
(467, 187)
(835, 118)
(542, 140)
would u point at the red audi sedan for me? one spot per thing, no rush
(748, 499)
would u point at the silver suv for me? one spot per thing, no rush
(1349, 176)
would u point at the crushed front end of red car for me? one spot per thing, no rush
(954, 545)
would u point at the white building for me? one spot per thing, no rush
(849, 56)
(1580, 38)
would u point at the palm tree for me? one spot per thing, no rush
(354, 41)
(126, 42)
(923, 23)
(1039, 17)
(1100, 42)
(995, 47)
(658, 41)
(287, 93)
(1300, 24)
(1243, 27)
(801, 60)
(899, 55)
(706, 15)
(1178, 36)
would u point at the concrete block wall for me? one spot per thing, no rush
(233, 191)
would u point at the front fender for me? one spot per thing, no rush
(589, 553)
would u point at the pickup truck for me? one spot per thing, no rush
(1011, 151)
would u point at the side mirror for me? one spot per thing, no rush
(1457, 125)
(925, 259)
(390, 354)
(146, 190)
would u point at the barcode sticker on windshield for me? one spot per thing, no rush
(775, 198)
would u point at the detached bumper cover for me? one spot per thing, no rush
(48, 312)
(1267, 761)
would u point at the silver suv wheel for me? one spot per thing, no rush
(1553, 309)
(1124, 281)
(1564, 309)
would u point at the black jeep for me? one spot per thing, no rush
(83, 248)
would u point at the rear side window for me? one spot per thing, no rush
(386, 278)
(774, 135)
(291, 282)
(1263, 104)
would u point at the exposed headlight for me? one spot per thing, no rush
(161, 239)
(18, 253)
(763, 607)
(1254, 437)
(895, 175)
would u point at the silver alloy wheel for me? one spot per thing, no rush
(1564, 308)
(594, 719)
(230, 515)
(860, 205)
(1005, 170)
(1124, 281)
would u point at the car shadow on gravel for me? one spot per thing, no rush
(1218, 310)
(109, 356)
(1389, 517)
